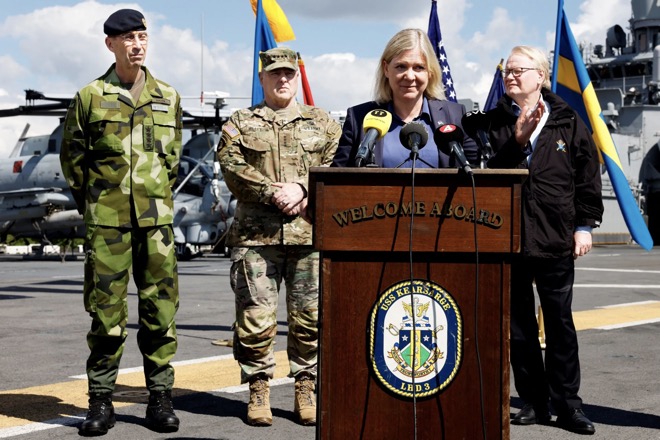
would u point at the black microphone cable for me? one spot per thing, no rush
(412, 295)
(476, 304)
(445, 136)
(476, 308)
(414, 136)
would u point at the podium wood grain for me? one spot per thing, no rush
(365, 247)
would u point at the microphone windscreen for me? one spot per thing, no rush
(413, 128)
(378, 119)
(473, 121)
(445, 134)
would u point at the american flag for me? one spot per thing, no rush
(436, 39)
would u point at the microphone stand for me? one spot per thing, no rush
(370, 161)
(414, 157)
(482, 159)
(485, 152)
(484, 155)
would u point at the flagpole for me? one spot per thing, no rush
(201, 96)
(555, 58)
(257, 92)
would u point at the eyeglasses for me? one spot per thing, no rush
(516, 71)
(129, 37)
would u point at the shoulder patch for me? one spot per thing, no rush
(230, 130)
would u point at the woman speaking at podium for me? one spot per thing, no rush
(408, 89)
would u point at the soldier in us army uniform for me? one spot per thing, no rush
(265, 153)
(120, 154)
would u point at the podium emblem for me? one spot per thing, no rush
(416, 338)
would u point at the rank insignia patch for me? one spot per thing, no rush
(416, 332)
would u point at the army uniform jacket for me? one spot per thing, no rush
(259, 147)
(120, 159)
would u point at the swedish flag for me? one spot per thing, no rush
(271, 27)
(571, 81)
(263, 40)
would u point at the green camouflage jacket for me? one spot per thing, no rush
(259, 147)
(119, 157)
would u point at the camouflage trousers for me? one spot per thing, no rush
(112, 253)
(256, 276)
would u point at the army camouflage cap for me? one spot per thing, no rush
(278, 58)
(124, 20)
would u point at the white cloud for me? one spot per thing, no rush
(62, 48)
(341, 78)
(476, 65)
(11, 70)
(597, 16)
(364, 11)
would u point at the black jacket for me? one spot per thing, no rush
(563, 189)
(442, 112)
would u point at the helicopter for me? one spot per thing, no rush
(35, 200)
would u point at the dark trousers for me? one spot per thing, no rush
(558, 379)
(653, 211)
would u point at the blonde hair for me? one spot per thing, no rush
(539, 61)
(409, 39)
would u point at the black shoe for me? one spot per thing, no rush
(160, 413)
(100, 417)
(530, 415)
(575, 421)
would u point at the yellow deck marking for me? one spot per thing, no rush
(591, 319)
(67, 399)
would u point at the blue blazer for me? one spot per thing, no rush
(442, 112)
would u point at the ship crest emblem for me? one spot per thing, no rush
(416, 338)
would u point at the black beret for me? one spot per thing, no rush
(124, 20)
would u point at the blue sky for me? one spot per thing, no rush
(56, 46)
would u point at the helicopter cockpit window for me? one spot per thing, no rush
(55, 141)
(34, 146)
(196, 182)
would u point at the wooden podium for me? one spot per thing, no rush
(362, 223)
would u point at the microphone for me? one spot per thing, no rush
(475, 124)
(375, 125)
(448, 138)
(414, 136)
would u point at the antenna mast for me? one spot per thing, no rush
(201, 93)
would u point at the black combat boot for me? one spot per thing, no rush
(160, 412)
(100, 417)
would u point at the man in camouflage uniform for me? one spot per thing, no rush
(265, 153)
(120, 153)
